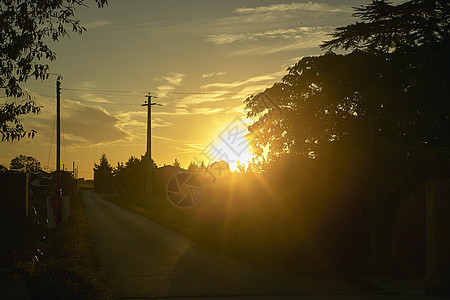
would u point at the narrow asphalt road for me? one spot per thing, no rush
(143, 260)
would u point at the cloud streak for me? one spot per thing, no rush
(98, 24)
(288, 33)
(292, 7)
(171, 81)
(91, 124)
(230, 85)
(213, 74)
(174, 78)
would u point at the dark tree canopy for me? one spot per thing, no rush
(176, 164)
(193, 167)
(131, 176)
(385, 27)
(370, 101)
(360, 96)
(11, 126)
(26, 27)
(103, 174)
(25, 163)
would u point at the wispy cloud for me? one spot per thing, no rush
(165, 88)
(146, 24)
(158, 122)
(135, 123)
(292, 7)
(200, 147)
(92, 123)
(276, 28)
(288, 33)
(213, 74)
(221, 92)
(98, 24)
(162, 138)
(174, 78)
(284, 47)
(83, 125)
(171, 81)
(207, 110)
(230, 85)
(88, 97)
(201, 98)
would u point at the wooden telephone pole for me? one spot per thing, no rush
(58, 126)
(148, 154)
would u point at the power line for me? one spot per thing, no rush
(103, 91)
(134, 92)
(51, 143)
(64, 140)
(102, 103)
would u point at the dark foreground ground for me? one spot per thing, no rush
(142, 260)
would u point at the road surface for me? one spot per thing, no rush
(142, 260)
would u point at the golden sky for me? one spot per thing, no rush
(200, 58)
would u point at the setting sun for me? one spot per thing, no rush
(231, 156)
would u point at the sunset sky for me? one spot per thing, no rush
(200, 58)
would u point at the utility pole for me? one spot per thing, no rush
(148, 181)
(58, 125)
(56, 202)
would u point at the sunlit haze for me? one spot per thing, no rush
(201, 59)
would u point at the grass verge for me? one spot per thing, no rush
(69, 268)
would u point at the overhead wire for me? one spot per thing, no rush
(121, 93)
(128, 93)
(75, 89)
(51, 144)
(63, 141)
(116, 93)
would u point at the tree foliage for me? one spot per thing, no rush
(176, 164)
(103, 174)
(385, 27)
(193, 167)
(131, 176)
(359, 96)
(11, 126)
(376, 119)
(364, 100)
(25, 163)
(26, 28)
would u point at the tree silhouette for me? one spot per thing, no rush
(176, 164)
(135, 174)
(131, 176)
(377, 118)
(103, 174)
(193, 167)
(25, 164)
(386, 27)
(26, 27)
(365, 99)
(11, 127)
